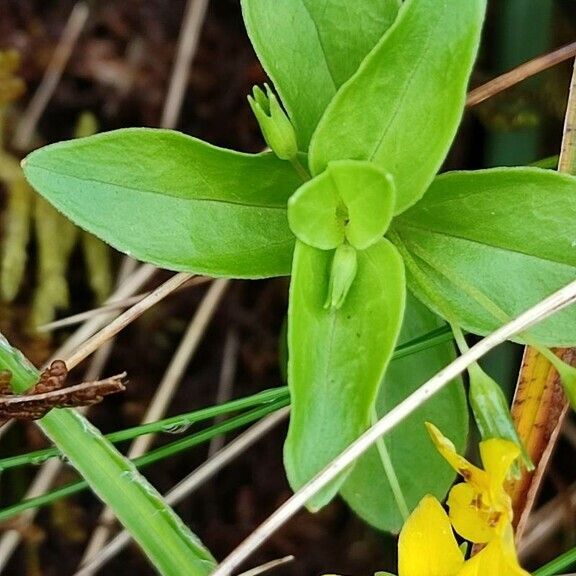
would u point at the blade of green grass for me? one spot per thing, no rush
(167, 542)
(152, 457)
(429, 340)
(558, 565)
(172, 425)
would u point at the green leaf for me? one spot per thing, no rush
(419, 468)
(332, 38)
(350, 199)
(402, 107)
(172, 200)
(482, 247)
(337, 357)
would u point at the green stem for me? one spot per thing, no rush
(173, 424)
(391, 473)
(300, 169)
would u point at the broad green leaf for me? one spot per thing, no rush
(482, 247)
(402, 107)
(350, 199)
(337, 357)
(419, 468)
(309, 48)
(172, 200)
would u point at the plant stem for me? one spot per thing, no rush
(150, 458)
(174, 423)
(299, 167)
(391, 473)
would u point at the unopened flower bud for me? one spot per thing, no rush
(274, 123)
(491, 411)
(342, 274)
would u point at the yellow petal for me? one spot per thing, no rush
(494, 560)
(497, 457)
(427, 546)
(469, 515)
(468, 471)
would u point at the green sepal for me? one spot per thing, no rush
(351, 200)
(491, 411)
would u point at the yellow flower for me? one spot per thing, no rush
(498, 558)
(480, 511)
(480, 507)
(427, 547)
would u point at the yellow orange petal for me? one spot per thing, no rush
(427, 546)
(468, 471)
(493, 560)
(469, 515)
(498, 455)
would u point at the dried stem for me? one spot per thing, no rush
(520, 73)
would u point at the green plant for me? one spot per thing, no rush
(349, 204)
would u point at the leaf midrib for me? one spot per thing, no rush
(407, 86)
(156, 192)
(321, 44)
(399, 227)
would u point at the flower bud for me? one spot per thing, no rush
(274, 123)
(491, 412)
(342, 274)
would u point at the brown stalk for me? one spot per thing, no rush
(539, 405)
(530, 68)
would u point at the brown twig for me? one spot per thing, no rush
(93, 343)
(50, 392)
(520, 73)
